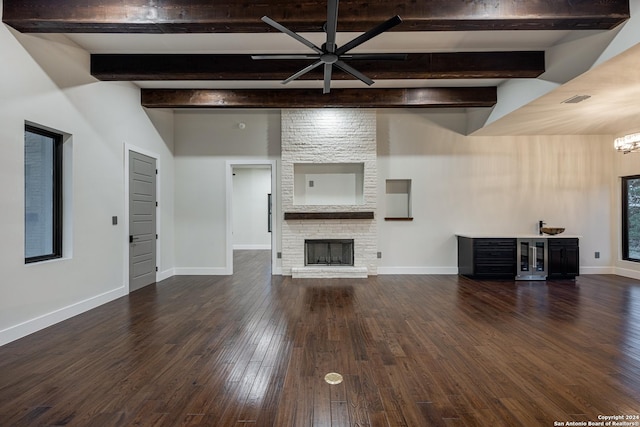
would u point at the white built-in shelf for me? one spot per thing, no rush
(398, 200)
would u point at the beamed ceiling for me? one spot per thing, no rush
(239, 16)
(197, 53)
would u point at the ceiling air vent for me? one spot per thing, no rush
(575, 99)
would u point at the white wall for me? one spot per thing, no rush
(46, 80)
(205, 140)
(251, 187)
(495, 185)
(459, 184)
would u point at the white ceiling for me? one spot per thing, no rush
(405, 42)
(612, 109)
(614, 86)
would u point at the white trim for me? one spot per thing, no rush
(128, 148)
(597, 270)
(165, 274)
(68, 159)
(200, 271)
(229, 208)
(23, 329)
(418, 270)
(626, 272)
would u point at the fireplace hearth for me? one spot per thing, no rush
(334, 252)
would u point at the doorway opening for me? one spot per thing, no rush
(251, 207)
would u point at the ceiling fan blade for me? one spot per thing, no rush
(355, 73)
(302, 72)
(388, 24)
(327, 78)
(287, 31)
(376, 56)
(292, 56)
(332, 25)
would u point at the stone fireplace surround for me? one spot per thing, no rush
(329, 136)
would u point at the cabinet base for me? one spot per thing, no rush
(530, 277)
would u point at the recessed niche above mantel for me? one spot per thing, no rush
(328, 184)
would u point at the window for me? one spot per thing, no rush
(43, 194)
(631, 218)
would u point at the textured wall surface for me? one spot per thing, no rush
(328, 136)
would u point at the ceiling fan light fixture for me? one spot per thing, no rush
(330, 54)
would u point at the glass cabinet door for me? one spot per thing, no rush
(540, 254)
(524, 256)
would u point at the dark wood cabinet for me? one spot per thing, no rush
(495, 258)
(564, 258)
(487, 258)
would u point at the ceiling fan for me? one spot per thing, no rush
(330, 54)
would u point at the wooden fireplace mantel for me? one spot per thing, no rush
(328, 215)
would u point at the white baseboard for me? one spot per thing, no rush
(162, 275)
(33, 325)
(201, 271)
(251, 247)
(626, 272)
(418, 270)
(597, 270)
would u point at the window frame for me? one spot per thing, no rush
(625, 217)
(57, 190)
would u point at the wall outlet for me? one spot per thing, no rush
(379, 255)
(279, 255)
(597, 254)
(114, 220)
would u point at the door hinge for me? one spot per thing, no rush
(156, 204)
(156, 268)
(156, 171)
(156, 237)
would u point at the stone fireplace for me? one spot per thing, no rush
(329, 189)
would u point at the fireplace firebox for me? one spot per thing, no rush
(328, 252)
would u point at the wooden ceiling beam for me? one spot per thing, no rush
(439, 97)
(462, 65)
(240, 16)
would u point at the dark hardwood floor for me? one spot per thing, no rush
(252, 350)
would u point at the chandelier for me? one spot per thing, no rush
(627, 143)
